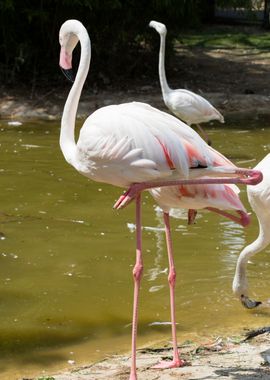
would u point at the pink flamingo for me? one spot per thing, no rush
(259, 199)
(135, 146)
(188, 106)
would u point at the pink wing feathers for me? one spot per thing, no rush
(213, 197)
(224, 197)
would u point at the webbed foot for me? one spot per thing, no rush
(164, 364)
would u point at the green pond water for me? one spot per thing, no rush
(66, 258)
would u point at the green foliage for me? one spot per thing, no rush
(121, 41)
(247, 4)
(222, 39)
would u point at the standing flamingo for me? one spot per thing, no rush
(188, 106)
(259, 199)
(135, 146)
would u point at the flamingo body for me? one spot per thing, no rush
(190, 107)
(123, 144)
(134, 142)
(259, 199)
(224, 197)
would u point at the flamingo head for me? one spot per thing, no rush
(240, 289)
(68, 39)
(160, 28)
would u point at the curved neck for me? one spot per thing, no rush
(67, 138)
(258, 245)
(161, 66)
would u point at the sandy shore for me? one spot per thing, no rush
(221, 359)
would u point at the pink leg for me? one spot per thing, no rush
(204, 134)
(245, 176)
(176, 362)
(137, 275)
(191, 216)
(244, 219)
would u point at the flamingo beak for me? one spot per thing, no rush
(68, 74)
(65, 63)
(248, 303)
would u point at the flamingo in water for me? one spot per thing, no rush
(135, 146)
(188, 106)
(259, 199)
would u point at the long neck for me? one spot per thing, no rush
(258, 245)
(161, 66)
(67, 138)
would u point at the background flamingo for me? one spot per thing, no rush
(188, 106)
(259, 199)
(135, 146)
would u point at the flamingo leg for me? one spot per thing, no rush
(191, 216)
(137, 275)
(243, 220)
(204, 134)
(245, 176)
(176, 362)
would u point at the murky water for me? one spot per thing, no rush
(66, 258)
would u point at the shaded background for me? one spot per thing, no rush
(122, 44)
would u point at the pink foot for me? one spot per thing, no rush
(118, 203)
(133, 377)
(164, 364)
(128, 196)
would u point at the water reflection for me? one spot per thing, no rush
(67, 257)
(232, 242)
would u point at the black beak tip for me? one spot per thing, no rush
(68, 74)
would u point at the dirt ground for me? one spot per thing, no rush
(237, 82)
(221, 359)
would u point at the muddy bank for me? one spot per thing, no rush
(219, 359)
(49, 106)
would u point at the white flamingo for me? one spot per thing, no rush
(188, 106)
(259, 199)
(138, 147)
